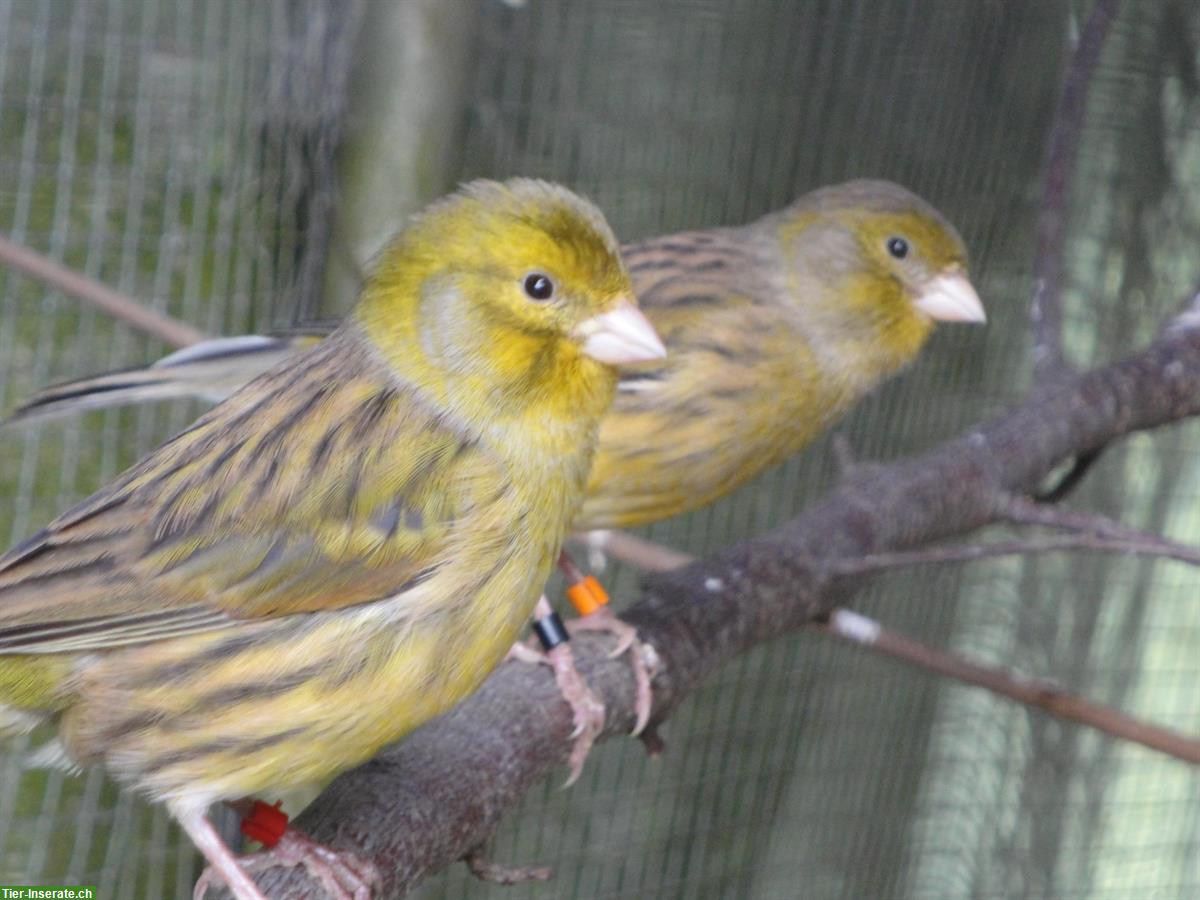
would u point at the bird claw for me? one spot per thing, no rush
(525, 653)
(342, 874)
(643, 659)
(211, 878)
(587, 710)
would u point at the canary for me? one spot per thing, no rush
(347, 545)
(774, 330)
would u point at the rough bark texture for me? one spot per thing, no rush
(425, 802)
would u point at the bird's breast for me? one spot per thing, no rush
(261, 706)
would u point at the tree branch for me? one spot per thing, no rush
(435, 796)
(1046, 308)
(1093, 533)
(1144, 545)
(116, 304)
(853, 628)
(637, 552)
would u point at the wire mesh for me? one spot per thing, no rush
(180, 152)
(186, 152)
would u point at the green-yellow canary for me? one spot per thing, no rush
(347, 545)
(774, 330)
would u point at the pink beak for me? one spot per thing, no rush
(620, 336)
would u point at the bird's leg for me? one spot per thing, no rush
(642, 659)
(591, 600)
(222, 863)
(343, 875)
(586, 708)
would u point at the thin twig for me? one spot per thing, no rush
(638, 552)
(857, 629)
(1114, 538)
(116, 304)
(1145, 545)
(1021, 511)
(486, 870)
(1046, 308)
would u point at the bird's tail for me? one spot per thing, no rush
(210, 370)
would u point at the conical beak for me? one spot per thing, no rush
(950, 297)
(620, 336)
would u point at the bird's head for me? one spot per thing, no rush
(890, 263)
(510, 290)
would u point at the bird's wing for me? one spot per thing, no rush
(686, 429)
(321, 485)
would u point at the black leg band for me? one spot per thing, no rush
(551, 631)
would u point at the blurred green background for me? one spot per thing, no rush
(236, 164)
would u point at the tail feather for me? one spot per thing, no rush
(98, 392)
(210, 370)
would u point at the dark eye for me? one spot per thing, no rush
(539, 287)
(898, 247)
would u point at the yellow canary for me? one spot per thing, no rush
(347, 545)
(774, 330)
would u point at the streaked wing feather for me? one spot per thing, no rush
(320, 485)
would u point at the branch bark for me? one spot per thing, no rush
(437, 795)
(1089, 533)
(1046, 308)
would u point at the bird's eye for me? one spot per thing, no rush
(539, 287)
(898, 247)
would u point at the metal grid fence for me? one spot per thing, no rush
(186, 152)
